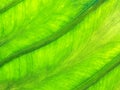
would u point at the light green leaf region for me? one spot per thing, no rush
(59, 44)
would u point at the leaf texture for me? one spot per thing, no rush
(59, 45)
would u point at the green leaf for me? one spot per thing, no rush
(59, 45)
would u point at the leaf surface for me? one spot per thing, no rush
(59, 45)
